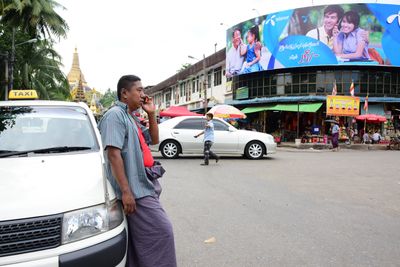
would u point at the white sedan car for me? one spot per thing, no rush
(177, 137)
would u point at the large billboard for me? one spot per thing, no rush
(344, 34)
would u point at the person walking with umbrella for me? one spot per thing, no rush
(208, 139)
(335, 135)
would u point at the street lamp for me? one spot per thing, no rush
(13, 46)
(204, 81)
(255, 10)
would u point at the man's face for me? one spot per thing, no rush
(134, 97)
(236, 39)
(330, 20)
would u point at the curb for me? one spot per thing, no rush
(323, 147)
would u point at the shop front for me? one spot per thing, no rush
(289, 121)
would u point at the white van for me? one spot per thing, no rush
(56, 205)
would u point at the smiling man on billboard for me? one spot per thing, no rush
(332, 15)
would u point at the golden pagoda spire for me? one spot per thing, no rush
(80, 94)
(75, 74)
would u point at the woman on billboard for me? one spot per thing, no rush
(350, 42)
(252, 51)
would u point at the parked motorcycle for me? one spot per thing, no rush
(394, 143)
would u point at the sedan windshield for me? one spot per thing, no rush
(44, 130)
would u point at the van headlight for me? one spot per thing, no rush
(84, 223)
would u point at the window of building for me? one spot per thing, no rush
(193, 85)
(304, 78)
(288, 89)
(312, 88)
(209, 79)
(303, 88)
(296, 78)
(312, 77)
(296, 89)
(217, 76)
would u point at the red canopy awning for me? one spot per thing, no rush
(371, 118)
(176, 111)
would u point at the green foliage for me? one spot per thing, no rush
(108, 98)
(184, 66)
(35, 17)
(36, 65)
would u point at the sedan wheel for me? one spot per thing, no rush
(170, 150)
(254, 150)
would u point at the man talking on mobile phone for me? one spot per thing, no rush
(150, 235)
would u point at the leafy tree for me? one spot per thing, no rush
(36, 65)
(184, 67)
(108, 98)
(35, 17)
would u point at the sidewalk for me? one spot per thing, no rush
(320, 146)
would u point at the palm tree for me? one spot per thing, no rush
(42, 71)
(35, 17)
(37, 65)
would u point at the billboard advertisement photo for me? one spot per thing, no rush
(342, 34)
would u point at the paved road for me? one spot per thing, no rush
(300, 208)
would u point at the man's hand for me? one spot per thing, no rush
(335, 31)
(149, 106)
(258, 46)
(128, 202)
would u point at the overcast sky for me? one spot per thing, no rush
(153, 38)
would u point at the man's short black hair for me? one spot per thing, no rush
(210, 115)
(334, 9)
(236, 29)
(126, 82)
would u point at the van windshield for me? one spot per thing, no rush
(41, 128)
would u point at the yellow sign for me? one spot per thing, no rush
(22, 94)
(342, 105)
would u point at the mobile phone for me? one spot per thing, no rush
(145, 99)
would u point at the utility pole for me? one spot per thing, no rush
(5, 56)
(12, 60)
(205, 84)
(6, 77)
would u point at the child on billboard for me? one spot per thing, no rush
(252, 51)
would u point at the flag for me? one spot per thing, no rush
(352, 89)
(334, 90)
(366, 104)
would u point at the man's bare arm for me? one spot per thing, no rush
(118, 170)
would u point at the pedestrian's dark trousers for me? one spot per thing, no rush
(208, 152)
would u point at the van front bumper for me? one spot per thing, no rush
(108, 253)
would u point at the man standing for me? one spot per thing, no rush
(234, 57)
(208, 139)
(332, 15)
(150, 237)
(335, 135)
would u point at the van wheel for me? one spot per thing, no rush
(254, 150)
(170, 149)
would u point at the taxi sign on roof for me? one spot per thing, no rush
(22, 94)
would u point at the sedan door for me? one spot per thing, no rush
(185, 131)
(226, 138)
